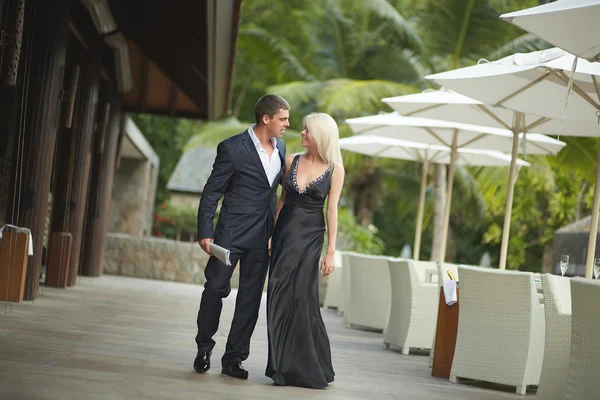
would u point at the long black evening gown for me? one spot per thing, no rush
(299, 352)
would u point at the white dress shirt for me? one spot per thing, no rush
(272, 164)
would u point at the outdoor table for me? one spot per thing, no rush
(445, 339)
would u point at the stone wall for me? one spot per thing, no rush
(185, 199)
(133, 194)
(163, 259)
(155, 258)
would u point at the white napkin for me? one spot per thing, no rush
(20, 230)
(450, 292)
(221, 253)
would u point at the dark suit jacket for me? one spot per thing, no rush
(249, 203)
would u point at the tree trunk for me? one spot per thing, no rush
(438, 214)
(366, 187)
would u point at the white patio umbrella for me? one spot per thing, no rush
(451, 134)
(571, 25)
(378, 146)
(448, 105)
(538, 83)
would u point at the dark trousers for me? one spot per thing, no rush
(253, 270)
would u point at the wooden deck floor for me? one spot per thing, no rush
(125, 338)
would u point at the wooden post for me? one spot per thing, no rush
(83, 127)
(100, 194)
(46, 35)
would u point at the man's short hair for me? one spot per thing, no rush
(269, 104)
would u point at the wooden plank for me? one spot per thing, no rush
(59, 258)
(13, 265)
(117, 337)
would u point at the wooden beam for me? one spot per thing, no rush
(144, 83)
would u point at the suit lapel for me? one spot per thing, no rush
(281, 152)
(249, 144)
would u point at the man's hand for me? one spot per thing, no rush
(269, 247)
(205, 244)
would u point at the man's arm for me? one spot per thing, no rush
(213, 191)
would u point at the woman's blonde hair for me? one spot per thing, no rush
(324, 131)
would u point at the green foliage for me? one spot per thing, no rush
(174, 222)
(167, 136)
(357, 237)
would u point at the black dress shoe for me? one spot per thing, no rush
(202, 362)
(236, 370)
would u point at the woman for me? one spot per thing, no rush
(299, 352)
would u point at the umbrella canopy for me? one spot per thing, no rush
(381, 146)
(456, 136)
(378, 146)
(571, 25)
(448, 105)
(532, 83)
(538, 83)
(432, 131)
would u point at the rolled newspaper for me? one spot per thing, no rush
(221, 253)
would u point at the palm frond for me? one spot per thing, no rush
(211, 133)
(386, 11)
(271, 47)
(463, 30)
(522, 44)
(343, 98)
(579, 154)
(216, 131)
(298, 92)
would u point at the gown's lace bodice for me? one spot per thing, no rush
(314, 194)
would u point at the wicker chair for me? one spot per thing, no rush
(334, 284)
(345, 285)
(557, 306)
(500, 328)
(414, 308)
(370, 297)
(583, 380)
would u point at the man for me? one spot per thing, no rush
(246, 172)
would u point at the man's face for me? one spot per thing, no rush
(277, 125)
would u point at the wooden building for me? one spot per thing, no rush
(69, 71)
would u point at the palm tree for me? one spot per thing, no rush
(343, 56)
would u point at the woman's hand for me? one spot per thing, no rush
(327, 266)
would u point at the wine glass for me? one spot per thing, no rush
(596, 268)
(564, 264)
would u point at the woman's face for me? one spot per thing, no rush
(307, 139)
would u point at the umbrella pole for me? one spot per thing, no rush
(446, 225)
(420, 211)
(591, 250)
(509, 197)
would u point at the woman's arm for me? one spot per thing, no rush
(337, 182)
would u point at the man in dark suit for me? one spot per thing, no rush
(247, 169)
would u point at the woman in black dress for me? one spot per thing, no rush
(299, 352)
